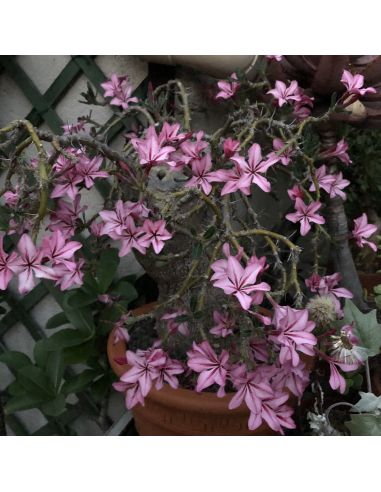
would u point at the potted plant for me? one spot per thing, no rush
(244, 307)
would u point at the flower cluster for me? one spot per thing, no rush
(120, 225)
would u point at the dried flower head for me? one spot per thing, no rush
(322, 310)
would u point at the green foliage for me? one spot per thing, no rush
(364, 425)
(366, 327)
(81, 336)
(377, 297)
(365, 172)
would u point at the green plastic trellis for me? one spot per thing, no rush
(44, 111)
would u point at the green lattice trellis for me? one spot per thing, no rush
(44, 111)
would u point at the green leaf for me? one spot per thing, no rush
(35, 382)
(57, 320)
(15, 360)
(366, 327)
(107, 267)
(78, 299)
(368, 403)
(210, 232)
(377, 289)
(81, 318)
(79, 382)
(65, 338)
(90, 284)
(80, 353)
(126, 290)
(197, 250)
(55, 368)
(54, 407)
(364, 425)
(15, 388)
(108, 317)
(40, 353)
(21, 402)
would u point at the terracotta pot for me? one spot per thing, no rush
(369, 281)
(184, 412)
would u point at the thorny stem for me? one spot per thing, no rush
(266, 232)
(42, 170)
(184, 98)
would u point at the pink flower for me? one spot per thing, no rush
(120, 90)
(131, 237)
(66, 216)
(254, 169)
(115, 221)
(303, 107)
(65, 163)
(333, 184)
(168, 372)
(176, 326)
(121, 334)
(339, 150)
(219, 267)
(362, 231)
(29, 265)
(230, 147)
(137, 210)
(9, 264)
(295, 192)
(232, 180)
(89, 170)
(252, 389)
(145, 368)
(202, 176)
(324, 180)
(192, 150)
(150, 149)
(11, 198)
(133, 393)
(58, 250)
(305, 214)
(224, 325)
(259, 348)
(213, 370)
(336, 380)
(294, 378)
(277, 58)
(284, 94)
(69, 276)
(228, 89)
(170, 133)
(327, 285)
(274, 413)
(354, 84)
(240, 281)
(65, 185)
(293, 333)
(285, 156)
(155, 234)
(72, 129)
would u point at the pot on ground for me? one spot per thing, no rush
(183, 412)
